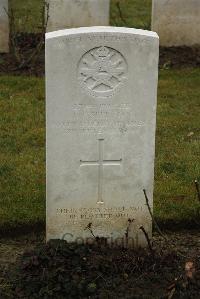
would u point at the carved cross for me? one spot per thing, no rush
(100, 163)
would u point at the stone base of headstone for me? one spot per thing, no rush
(4, 27)
(77, 13)
(177, 22)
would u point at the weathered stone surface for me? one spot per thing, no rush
(4, 27)
(77, 13)
(177, 22)
(101, 90)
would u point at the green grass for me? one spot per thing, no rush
(178, 145)
(22, 140)
(22, 172)
(22, 158)
(135, 13)
(28, 14)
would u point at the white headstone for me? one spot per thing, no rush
(4, 27)
(177, 22)
(77, 13)
(101, 91)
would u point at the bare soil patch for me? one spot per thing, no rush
(31, 269)
(179, 57)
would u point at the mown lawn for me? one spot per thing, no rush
(22, 155)
(177, 147)
(22, 140)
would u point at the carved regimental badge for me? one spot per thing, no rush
(101, 71)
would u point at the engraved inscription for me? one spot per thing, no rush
(101, 118)
(74, 215)
(144, 41)
(101, 71)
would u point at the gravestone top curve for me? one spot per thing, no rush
(100, 29)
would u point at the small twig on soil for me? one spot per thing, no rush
(43, 272)
(171, 294)
(197, 188)
(127, 230)
(148, 240)
(143, 274)
(3, 286)
(153, 219)
(101, 277)
(89, 227)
